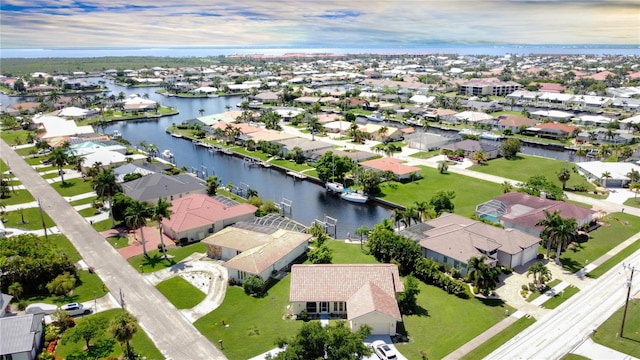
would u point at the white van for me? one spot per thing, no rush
(40, 308)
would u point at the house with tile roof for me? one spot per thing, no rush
(453, 239)
(21, 336)
(396, 166)
(554, 130)
(364, 294)
(195, 216)
(471, 146)
(154, 186)
(514, 122)
(522, 211)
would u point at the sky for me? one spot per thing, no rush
(316, 23)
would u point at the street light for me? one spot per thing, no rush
(626, 304)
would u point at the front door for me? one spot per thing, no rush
(324, 307)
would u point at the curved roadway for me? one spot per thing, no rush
(174, 336)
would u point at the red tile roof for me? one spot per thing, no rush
(390, 164)
(198, 210)
(370, 298)
(515, 120)
(555, 126)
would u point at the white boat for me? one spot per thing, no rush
(491, 136)
(375, 116)
(167, 154)
(116, 133)
(334, 187)
(354, 196)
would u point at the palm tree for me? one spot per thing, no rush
(605, 175)
(362, 231)
(634, 175)
(507, 187)
(105, 185)
(59, 157)
(541, 274)
(135, 217)
(558, 231)
(550, 221)
(634, 186)
(396, 216)
(581, 152)
(122, 327)
(563, 176)
(483, 275)
(201, 111)
(161, 211)
(213, 183)
(425, 210)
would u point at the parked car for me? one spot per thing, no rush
(75, 309)
(383, 350)
(40, 308)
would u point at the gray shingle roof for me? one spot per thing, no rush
(17, 333)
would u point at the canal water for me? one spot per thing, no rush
(309, 201)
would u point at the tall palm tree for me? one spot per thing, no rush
(135, 217)
(59, 157)
(550, 221)
(564, 175)
(634, 186)
(425, 210)
(396, 216)
(634, 175)
(122, 327)
(362, 231)
(558, 231)
(105, 185)
(161, 211)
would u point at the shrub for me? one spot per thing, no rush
(532, 287)
(22, 304)
(507, 270)
(304, 316)
(580, 188)
(253, 285)
(525, 287)
(524, 293)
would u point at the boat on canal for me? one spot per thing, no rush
(354, 196)
(335, 187)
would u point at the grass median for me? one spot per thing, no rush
(180, 292)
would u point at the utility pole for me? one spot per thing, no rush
(626, 304)
(44, 226)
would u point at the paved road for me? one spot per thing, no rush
(170, 331)
(558, 332)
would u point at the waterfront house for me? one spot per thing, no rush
(53, 126)
(124, 170)
(252, 249)
(554, 130)
(154, 186)
(522, 212)
(21, 336)
(453, 239)
(594, 171)
(514, 122)
(374, 132)
(472, 146)
(401, 171)
(307, 146)
(136, 103)
(195, 216)
(364, 294)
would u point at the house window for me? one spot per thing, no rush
(312, 307)
(341, 306)
(335, 307)
(171, 197)
(242, 275)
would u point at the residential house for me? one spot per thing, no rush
(522, 212)
(5, 299)
(514, 122)
(471, 146)
(364, 294)
(453, 239)
(53, 126)
(375, 132)
(307, 146)
(554, 130)
(473, 117)
(122, 171)
(136, 103)
(195, 216)
(401, 171)
(251, 249)
(154, 186)
(606, 136)
(22, 108)
(617, 172)
(21, 336)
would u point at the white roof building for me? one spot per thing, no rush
(473, 116)
(55, 126)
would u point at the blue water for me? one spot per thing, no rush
(176, 51)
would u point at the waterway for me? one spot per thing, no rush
(308, 201)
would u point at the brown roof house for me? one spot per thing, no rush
(195, 216)
(453, 239)
(514, 122)
(396, 166)
(259, 251)
(361, 293)
(471, 146)
(521, 211)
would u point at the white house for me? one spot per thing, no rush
(21, 336)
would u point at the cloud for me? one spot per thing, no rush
(43, 23)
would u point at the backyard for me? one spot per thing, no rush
(470, 192)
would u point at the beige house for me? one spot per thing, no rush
(361, 293)
(249, 252)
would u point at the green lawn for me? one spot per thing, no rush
(65, 246)
(155, 261)
(614, 260)
(344, 253)
(447, 322)
(608, 331)
(618, 228)
(88, 212)
(18, 197)
(502, 337)
(72, 187)
(180, 292)
(106, 345)
(574, 357)
(526, 166)
(15, 137)
(38, 160)
(31, 217)
(255, 323)
(88, 200)
(633, 202)
(118, 241)
(426, 154)
(46, 168)
(254, 154)
(31, 150)
(536, 294)
(470, 192)
(89, 286)
(558, 299)
(103, 225)
(290, 165)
